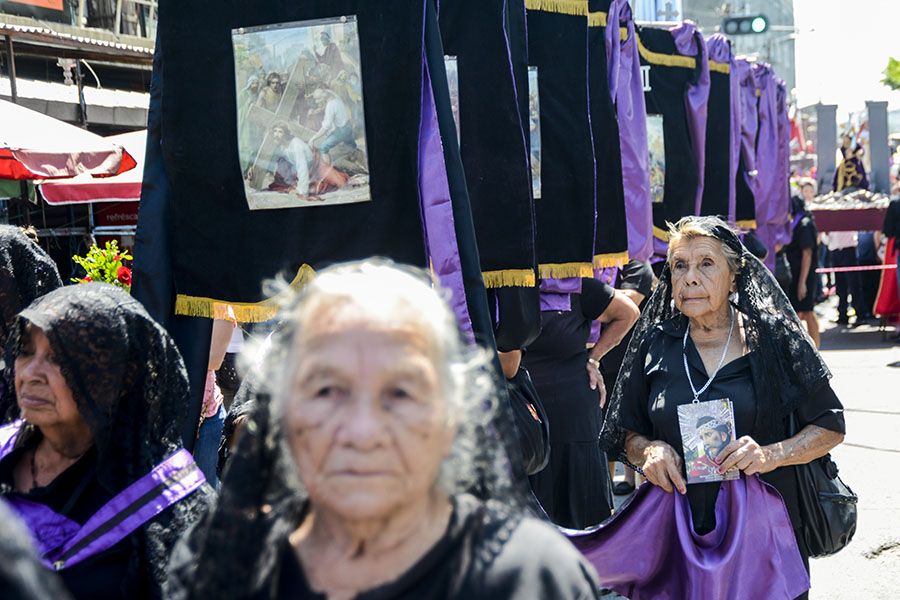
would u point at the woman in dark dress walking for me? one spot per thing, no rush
(575, 487)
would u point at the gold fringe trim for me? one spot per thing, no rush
(668, 60)
(560, 270)
(602, 261)
(244, 312)
(509, 278)
(750, 224)
(660, 234)
(566, 7)
(597, 19)
(719, 67)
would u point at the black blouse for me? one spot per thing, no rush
(657, 385)
(484, 555)
(76, 493)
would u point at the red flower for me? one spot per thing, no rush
(123, 274)
(86, 280)
(117, 257)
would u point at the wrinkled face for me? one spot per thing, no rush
(366, 416)
(713, 440)
(701, 278)
(43, 395)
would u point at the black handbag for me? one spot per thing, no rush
(532, 427)
(827, 507)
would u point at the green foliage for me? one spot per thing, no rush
(892, 74)
(105, 265)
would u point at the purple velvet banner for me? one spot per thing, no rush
(649, 549)
(766, 160)
(627, 87)
(437, 208)
(689, 42)
(720, 51)
(749, 114)
(782, 193)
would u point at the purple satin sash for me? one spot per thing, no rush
(649, 550)
(64, 543)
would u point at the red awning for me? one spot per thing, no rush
(125, 187)
(35, 146)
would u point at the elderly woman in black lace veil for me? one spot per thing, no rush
(371, 419)
(719, 316)
(90, 455)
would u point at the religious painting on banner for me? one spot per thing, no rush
(301, 129)
(534, 126)
(706, 428)
(656, 143)
(451, 65)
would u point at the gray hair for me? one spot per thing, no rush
(380, 289)
(691, 227)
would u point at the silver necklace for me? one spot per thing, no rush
(687, 371)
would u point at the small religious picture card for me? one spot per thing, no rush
(534, 126)
(706, 428)
(300, 128)
(452, 68)
(657, 146)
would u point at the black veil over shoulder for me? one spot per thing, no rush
(130, 385)
(26, 272)
(784, 362)
(234, 551)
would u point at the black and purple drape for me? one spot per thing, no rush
(746, 177)
(565, 215)
(770, 194)
(722, 132)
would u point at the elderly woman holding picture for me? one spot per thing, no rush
(349, 479)
(719, 328)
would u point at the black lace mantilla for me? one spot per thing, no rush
(784, 362)
(26, 272)
(131, 387)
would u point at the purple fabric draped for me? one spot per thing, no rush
(689, 42)
(782, 197)
(437, 208)
(555, 293)
(649, 549)
(631, 110)
(48, 529)
(720, 51)
(608, 276)
(767, 160)
(749, 114)
(555, 301)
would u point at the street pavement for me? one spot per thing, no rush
(866, 367)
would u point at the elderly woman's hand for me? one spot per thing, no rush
(596, 381)
(660, 463)
(748, 456)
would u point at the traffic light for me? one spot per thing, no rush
(745, 25)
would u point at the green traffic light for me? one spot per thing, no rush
(759, 25)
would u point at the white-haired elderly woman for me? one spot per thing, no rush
(719, 327)
(372, 416)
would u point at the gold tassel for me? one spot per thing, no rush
(566, 7)
(509, 278)
(660, 234)
(244, 312)
(667, 60)
(602, 261)
(750, 224)
(560, 270)
(596, 19)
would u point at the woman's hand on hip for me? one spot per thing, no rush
(662, 466)
(596, 382)
(748, 456)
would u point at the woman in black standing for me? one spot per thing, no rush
(575, 488)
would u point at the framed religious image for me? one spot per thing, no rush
(657, 145)
(301, 129)
(534, 126)
(706, 428)
(452, 68)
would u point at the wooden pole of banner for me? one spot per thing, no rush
(13, 91)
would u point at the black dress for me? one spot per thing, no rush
(485, 555)
(803, 236)
(574, 489)
(657, 385)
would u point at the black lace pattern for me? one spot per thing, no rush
(130, 384)
(784, 362)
